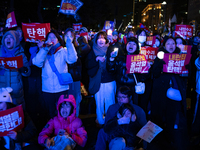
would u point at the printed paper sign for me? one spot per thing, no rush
(136, 64)
(35, 31)
(70, 7)
(151, 40)
(184, 31)
(11, 21)
(149, 131)
(109, 25)
(149, 52)
(77, 26)
(175, 63)
(145, 28)
(11, 62)
(85, 34)
(11, 120)
(185, 48)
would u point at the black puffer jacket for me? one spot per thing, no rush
(75, 69)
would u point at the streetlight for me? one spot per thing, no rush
(164, 3)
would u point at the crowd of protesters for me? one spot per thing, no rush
(54, 70)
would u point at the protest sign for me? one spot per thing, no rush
(184, 31)
(11, 21)
(109, 25)
(77, 26)
(151, 40)
(35, 31)
(149, 52)
(145, 28)
(185, 48)
(11, 62)
(175, 63)
(85, 34)
(149, 131)
(136, 64)
(70, 7)
(11, 120)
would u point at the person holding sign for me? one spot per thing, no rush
(168, 109)
(65, 130)
(10, 73)
(116, 64)
(53, 59)
(123, 129)
(22, 138)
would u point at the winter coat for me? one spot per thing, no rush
(76, 68)
(50, 82)
(127, 131)
(197, 64)
(92, 67)
(72, 125)
(113, 109)
(118, 67)
(12, 77)
(161, 83)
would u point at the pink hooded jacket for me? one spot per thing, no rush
(72, 124)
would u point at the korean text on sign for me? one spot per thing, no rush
(11, 62)
(149, 131)
(184, 30)
(35, 31)
(151, 40)
(136, 64)
(175, 63)
(11, 120)
(149, 52)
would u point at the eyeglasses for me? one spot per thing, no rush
(123, 97)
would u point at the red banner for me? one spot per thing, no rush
(149, 52)
(85, 34)
(11, 120)
(35, 31)
(11, 21)
(185, 48)
(175, 63)
(77, 26)
(136, 64)
(11, 62)
(151, 40)
(184, 31)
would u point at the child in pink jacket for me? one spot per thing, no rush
(66, 128)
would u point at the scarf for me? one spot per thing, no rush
(53, 49)
(99, 51)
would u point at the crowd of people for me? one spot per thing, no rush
(54, 70)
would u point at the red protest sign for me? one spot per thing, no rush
(11, 62)
(77, 26)
(185, 48)
(11, 21)
(175, 63)
(151, 40)
(183, 31)
(136, 64)
(11, 120)
(149, 52)
(35, 31)
(85, 34)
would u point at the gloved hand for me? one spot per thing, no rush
(23, 70)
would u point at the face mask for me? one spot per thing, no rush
(142, 39)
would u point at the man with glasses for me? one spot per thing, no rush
(123, 96)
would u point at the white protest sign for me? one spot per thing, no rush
(149, 131)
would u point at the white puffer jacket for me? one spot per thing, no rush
(63, 56)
